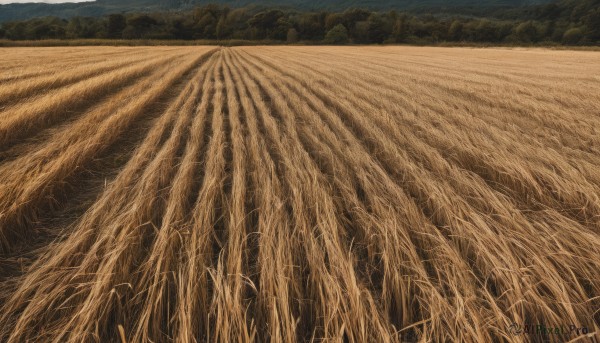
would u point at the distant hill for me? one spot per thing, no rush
(102, 7)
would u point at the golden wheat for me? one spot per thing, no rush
(286, 194)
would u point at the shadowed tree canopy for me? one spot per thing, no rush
(561, 22)
(337, 35)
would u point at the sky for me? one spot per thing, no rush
(45, 1)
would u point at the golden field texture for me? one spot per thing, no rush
(289, 194)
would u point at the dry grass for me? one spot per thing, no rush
(285, 194)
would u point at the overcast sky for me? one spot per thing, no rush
(46, 1)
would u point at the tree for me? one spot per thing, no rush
(310, 26)
(455, 31)
(16, 31)
(333, 19)
(378, 30)
(142, 21)
(572, 36)
(486, 31)
(138, 26)
(400, 29)
(270, 24)
(526, 32)
(568, 22)
(74, 28)
(592, 24)
(280, 30)
(116, 25)
(206, 27)
(265, 20)
(44, 28)
(292, 35)
(337, 35)
(180, 28)
(222, 30)
(353, 15)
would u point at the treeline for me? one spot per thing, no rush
(567, 22)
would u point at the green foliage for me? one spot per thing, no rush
(562, 22)
(101, 8)
(572, 36)
(140, 26)
(116, 24)
(292, 35)
(337, 35)
(592, 23)
(527, 32)
(379, 28)
(271, 24)
(456, 30)
(333, 19)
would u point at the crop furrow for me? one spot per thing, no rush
(21, 120)
(276, 271)
(24, 90)
(417, 91)
(340, 129)
(542, 182)
(442, 208)
(22, 202)
(321, 231)
(132, 228)
(202, 243)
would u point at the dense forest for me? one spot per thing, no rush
(573, 22)
(99, 8)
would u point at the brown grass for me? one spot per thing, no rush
(285, 194)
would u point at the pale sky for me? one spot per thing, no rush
(45, 1)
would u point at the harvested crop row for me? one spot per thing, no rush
(53, 164)
(54, 65)
(19, 119)
(26, 88)
(411, 144)
(549, 165)
(290, 194)
(30, 58)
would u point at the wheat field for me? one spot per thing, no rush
(292, 194)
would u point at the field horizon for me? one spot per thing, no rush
(299, 193)
(94, 42)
